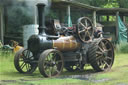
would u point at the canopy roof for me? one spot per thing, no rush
(62, 4)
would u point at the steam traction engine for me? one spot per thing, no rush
(57, 47)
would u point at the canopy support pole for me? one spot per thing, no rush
(69, 16)
(124, 19)
(117, 26)
(94, 18)
(1, 26)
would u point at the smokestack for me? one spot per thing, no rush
(41, 18)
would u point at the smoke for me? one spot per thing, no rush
(22, 12)
(28, 5)
(34, 2)
(28, 2)
(31, 4)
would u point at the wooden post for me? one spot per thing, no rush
(5, 15)
(1, 26)
(124, 19)
(100, 18)
(107, 18)
(94, 18)
(117, 26)
(69, 16)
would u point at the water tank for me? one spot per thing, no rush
(29, 30)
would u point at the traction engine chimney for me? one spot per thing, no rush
(41, 18)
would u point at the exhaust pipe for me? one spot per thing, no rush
(41, 18)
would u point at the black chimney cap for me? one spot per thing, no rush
(40, 4)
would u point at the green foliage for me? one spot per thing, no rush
(123, 3)
(98, 3)
(84, 1)
(111, 5)
(122, 48)
(106, 3)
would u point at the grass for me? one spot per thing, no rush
(116, 76)
(122, 47)
(119, 72)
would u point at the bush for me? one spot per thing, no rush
(122, 48)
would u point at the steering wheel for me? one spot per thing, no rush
(84, 29)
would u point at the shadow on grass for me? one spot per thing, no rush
(83, 72)
(17, 74)
(82, 75)
(36, 74)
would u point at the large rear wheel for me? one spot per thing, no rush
(101, 55)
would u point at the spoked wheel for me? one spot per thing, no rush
(51, 63)
(73, 67)
(85, 29)
(101, 55)
(22, 61)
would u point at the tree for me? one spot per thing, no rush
(123, 3)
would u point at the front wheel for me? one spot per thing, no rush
(22, 62)
(51, 63)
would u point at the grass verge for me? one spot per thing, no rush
(118, 75)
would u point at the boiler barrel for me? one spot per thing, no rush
(66, 43)
(39, 42)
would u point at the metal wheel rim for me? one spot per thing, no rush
(53, 64)
(104, 54)
(85, 29)
(24, 61)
